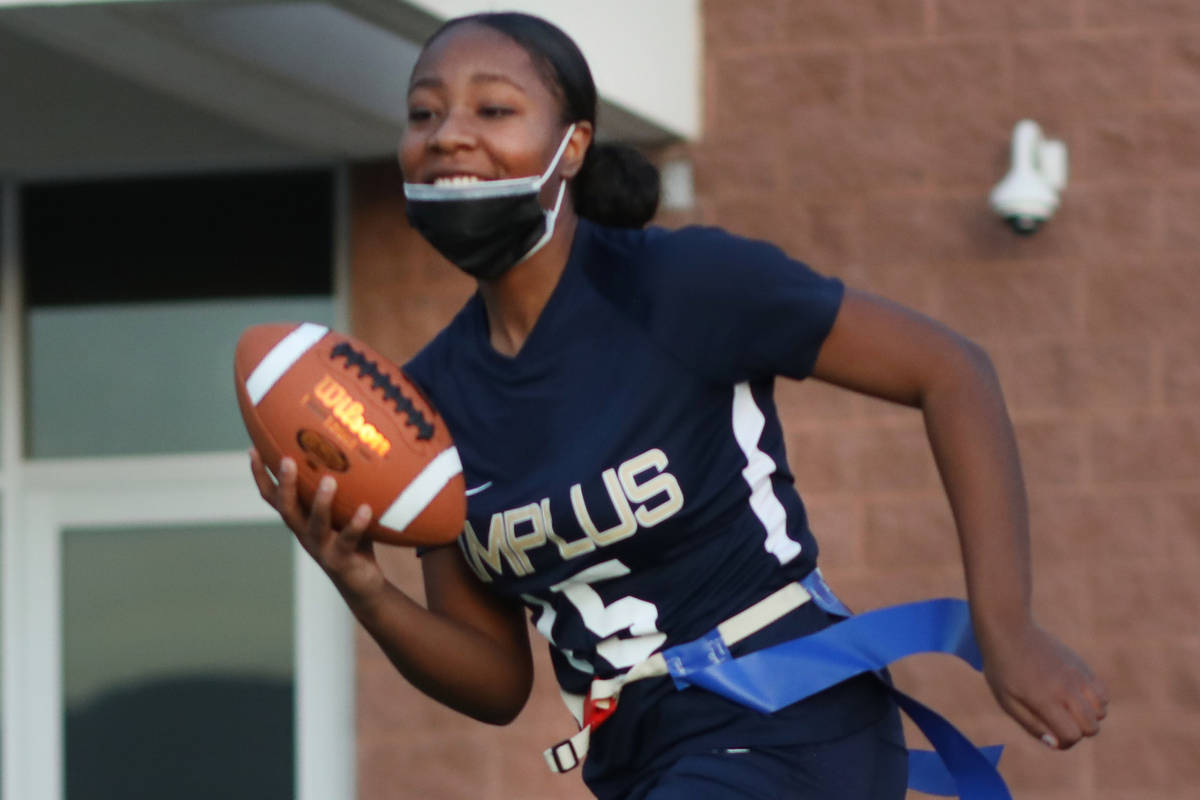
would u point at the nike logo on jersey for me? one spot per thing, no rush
(480, 488)
(640, 494)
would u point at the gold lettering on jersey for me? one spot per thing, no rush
(497, 546)
(641, 492)
(626, 522)
(348, 411)
(519, 543)
(567, 550)
(663, 483)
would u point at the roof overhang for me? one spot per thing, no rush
(128, 85)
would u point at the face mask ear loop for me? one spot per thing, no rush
(552, 214)
(551, 218)
(562, 148)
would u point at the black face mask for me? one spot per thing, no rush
(486, 227)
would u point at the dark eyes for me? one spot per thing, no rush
(494, 112)
(423, 114)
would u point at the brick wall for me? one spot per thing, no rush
(864, 138)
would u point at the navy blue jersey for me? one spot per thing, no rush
(627, 473)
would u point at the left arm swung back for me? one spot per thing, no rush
(886, 351)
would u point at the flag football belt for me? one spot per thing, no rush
(770, 679)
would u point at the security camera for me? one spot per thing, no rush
(1028, 195)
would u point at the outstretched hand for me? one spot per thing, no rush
(346, 555)
(1045, 686)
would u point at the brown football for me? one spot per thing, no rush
(337, 407)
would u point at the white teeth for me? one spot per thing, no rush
(456, 180)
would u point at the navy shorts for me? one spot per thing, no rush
(871, 764)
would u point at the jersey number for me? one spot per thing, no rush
(632, 614)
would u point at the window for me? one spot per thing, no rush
(137, 291)
(177, 651)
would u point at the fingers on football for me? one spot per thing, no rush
(351, 536)
(262, 478)
(285, 494)
(319, 519)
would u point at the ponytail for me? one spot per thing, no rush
(616, 186)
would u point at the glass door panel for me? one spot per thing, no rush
(177, 658)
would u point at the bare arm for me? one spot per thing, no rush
(886, 351)
(468, 650)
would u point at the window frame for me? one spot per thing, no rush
(39, 498)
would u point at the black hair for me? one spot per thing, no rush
(616, 185)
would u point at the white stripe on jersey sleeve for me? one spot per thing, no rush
(748, 425)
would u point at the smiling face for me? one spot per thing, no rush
(479, 109)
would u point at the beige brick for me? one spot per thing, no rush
(868, 589)
(1072, 375)
(823, 21)
(937, 229)
(1182, 370)
(813, 404)
(1173, 141)
(1069, 526)
(822, 461)
(756, 217)
(1179, 78)
(1093, 222)
(992, 300)
(755, 92)
(1146, 448)
(841, 153)
(828, 235)
(1107, 147)
(1142, 751)
(1134, 670)
(1074, 75)
(908, 283)
(733, 24)
(735, 169)
(425, 766)
(1063, 601)
(934, 79)
(1144, 598)
(1178, 656)
(1033, 770)
(1147, 297)
(955, 16)
(946, 684)
(913, 532)
(1099, 223)
(1167, 14)
(910, 151)
(893, 459)
(838, 526)
(824, 235)
(1182, 209)
(1179, 528)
